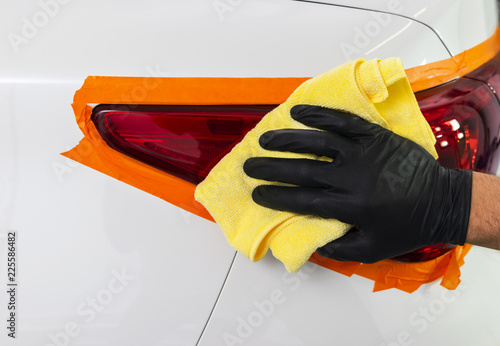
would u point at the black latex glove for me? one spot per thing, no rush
(394, 192)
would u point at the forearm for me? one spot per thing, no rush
(484, 223)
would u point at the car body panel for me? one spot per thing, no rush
(320, 307)
(80, 230)
(460, 24)
(193, 38)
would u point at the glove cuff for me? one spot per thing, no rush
(459, 204)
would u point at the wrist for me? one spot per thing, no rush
(484, 223)
(455, 206)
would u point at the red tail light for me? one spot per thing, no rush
(465, 118)
(187, 141)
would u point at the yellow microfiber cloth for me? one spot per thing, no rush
(376, 90)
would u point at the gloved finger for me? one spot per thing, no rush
(344, 124)
(305, 141)
(354, 246)
(301, 200)
(293, 199)
(303, 172)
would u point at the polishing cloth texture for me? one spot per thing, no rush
(376, 90)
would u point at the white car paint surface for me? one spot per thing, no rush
(102, 263)
(461, 24)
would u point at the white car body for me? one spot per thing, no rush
(103, 263)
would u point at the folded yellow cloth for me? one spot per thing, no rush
(377, 91)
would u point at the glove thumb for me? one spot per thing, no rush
(353, 246)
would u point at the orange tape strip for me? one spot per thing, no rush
(93, 151)
(407, 277)
(439, 72)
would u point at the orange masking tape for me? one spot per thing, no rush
(92, 151)
(439, 72)
(407, 277)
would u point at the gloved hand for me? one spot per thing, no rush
(395, 193)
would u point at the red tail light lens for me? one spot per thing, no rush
(465, 118)
(489, 74)
(185, 141)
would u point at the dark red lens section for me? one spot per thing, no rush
(185, 141)
(465, 118)
(489, 74)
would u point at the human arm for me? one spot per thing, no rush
(484, 222)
